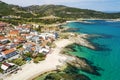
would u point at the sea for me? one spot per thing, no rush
(107, 57)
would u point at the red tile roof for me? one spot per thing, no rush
(14, 32)
(2, 37)
(8, 51)
(33, 48)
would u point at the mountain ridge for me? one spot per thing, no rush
(56, 10)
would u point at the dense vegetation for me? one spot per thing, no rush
(6, 9)
(69, 12)
(56, 10)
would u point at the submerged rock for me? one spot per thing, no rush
(65, 76)
(84, 65)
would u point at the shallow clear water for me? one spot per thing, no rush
(107, 58)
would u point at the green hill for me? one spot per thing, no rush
(14, 10)
(36, 11)
(68, 12)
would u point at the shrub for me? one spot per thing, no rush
(19, 46)
(39, 57)
(18, 61)
(36, 60)
(28, 54)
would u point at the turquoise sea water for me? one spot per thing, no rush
(108, 58)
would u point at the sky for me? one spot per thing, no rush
(99, 5)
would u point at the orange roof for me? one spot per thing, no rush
(10, 38)
(8, 51)
(14, 32)
(33, 48)
(20, 38)
(2, 37)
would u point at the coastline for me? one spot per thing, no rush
(51, 62)
(83, 20)
(33, 69)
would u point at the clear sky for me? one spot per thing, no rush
(100, 5)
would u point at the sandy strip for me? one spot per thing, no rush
(31, 70)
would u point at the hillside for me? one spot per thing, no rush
(14, 10)
(36, 11)
(68, 12)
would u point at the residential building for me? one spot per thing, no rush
(8, 67)
(9, 53)
(14, 33)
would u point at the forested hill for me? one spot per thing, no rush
(14, 10)
(56, 10)
(69, 12)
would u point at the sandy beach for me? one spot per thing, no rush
(31, 70)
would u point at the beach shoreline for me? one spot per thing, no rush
(84, 20)
(51, 62)
(31, 70)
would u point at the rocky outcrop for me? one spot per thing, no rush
(65, 76)
(84, 65)
(82, 40)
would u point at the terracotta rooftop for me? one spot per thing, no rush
(2, 37)
(10, 38)
(14, 32)
(33, 48)
(19, 38)
(8, 51)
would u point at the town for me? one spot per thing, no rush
(21, 44)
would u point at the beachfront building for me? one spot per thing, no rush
(9, 53)
(8, 67)
(44, 51)
(40, 49)
(28, 40)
